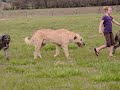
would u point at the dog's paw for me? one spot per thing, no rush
(55, 55)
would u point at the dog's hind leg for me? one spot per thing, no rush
(65, 48)
(57, 51)
(39, 55)
(37, 52)
(115, 47)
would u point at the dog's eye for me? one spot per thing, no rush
(75, 37)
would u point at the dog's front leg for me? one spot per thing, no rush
(57, 51)
(65, 48)
(6, 54)
(115, 47)
(36, 52)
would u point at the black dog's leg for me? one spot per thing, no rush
(6, 54)
(115, 47)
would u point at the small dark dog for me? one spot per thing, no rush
(117, 41)
(4, 44)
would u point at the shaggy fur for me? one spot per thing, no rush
(117, 41)
(4, 44)
(61, 38)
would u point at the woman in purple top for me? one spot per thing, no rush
(107, 20)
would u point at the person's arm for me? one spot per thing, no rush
(100, 27)
(115, 22)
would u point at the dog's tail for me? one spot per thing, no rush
(28, 41)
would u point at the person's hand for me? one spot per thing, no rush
(100, 32)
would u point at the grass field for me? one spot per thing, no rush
(84, 71)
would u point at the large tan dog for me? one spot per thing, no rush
(61, 38)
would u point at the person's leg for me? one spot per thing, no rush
(100, 48)
(112, 44)
(107, 38)
(108, 43)
(111, 51)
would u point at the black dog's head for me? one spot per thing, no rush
(117, 36)
(6, 40)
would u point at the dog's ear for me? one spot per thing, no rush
(75, 37)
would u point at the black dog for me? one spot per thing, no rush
(4, 44)
(117, 41)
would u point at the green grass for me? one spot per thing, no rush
(84, 71)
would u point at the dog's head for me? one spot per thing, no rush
(6, 40)
(78, 40)
(117, 36)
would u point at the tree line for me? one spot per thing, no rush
(37, 4)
